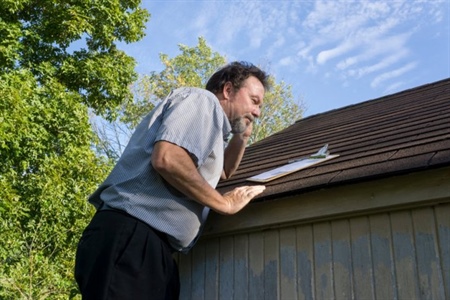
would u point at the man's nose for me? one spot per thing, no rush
(256, 112)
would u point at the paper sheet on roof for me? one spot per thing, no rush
(294, 165)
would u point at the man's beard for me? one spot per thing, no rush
(239, 125)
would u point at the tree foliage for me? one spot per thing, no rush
(39, 34)
(46, 172)
(48, 166)
(192, 67)
(279, 111)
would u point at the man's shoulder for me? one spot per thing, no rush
(194, 95)
(194, 91)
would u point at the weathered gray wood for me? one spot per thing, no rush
(288, 263)
(198, 271)
(241, 266)
(442, 213)
(404, 255)
(431, 284)
(271, 262)
(226, 271)
(256, 263)
(342, 263)
(211, 269)
(323, 261)
(382, 257)
(386, 248)
(185, 269)
(361, 258)
(411, 190)
(305, 263)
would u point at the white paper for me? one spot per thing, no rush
(289, 168)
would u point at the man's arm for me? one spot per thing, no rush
(234, 152)
(175, 165)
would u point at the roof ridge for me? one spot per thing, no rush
(371, 101)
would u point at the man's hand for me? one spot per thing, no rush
(248, 132)
(235, 151)
(241, 196)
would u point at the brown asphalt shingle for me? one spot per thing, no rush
(396, 134)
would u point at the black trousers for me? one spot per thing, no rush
(121, 257)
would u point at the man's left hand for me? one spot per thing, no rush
(248, 131)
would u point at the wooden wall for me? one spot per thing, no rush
(399, 255)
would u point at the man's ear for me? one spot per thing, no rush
(228, 90)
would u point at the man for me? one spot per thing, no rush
(157, 197)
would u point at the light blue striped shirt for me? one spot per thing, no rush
(193, 119)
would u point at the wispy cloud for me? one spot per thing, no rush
(342, 39)
(389, 46)
(340, 50)
(393, 74)
(364, 38)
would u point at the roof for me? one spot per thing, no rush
(395, 134)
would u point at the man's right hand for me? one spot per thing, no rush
(241, 196)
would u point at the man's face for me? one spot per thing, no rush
(245, 104)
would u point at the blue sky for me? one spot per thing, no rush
(332, 53)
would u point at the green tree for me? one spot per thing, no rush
(192, 67)
(40, 34)
(48, 85)
(279, 111)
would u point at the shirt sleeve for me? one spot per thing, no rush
(191, 120)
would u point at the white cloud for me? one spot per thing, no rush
(286, 61)
(343, 48)
(383, 64)
(367, 37)
(343, 39)
(245, 23)
(394, 87)
(393, 45)
(392, 74)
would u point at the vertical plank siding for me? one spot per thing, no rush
(383, 257)
(342, 259)
(397, 255)
(241, 266)
(227, 262)
(442, 214)
(323, 267)
(430, 274)
(305, 262)
(361, 251)
(404, 255)
(198, 272)
(212, 267)
(256, 266)
(271, 264)
(288, 263)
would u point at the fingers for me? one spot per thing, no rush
(241, 196)
(252, 187)
(248, 192)
(253, 191)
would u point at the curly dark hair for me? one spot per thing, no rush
(236, 72)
